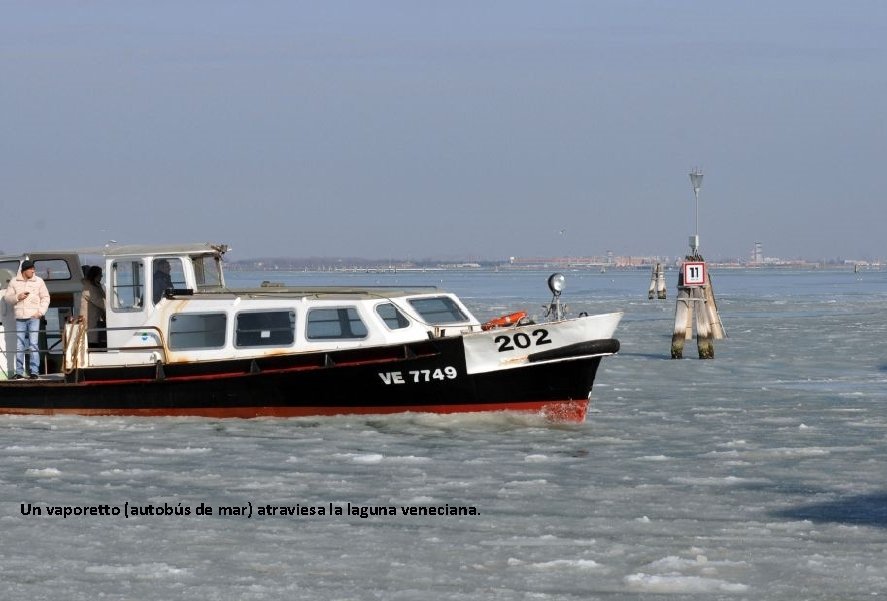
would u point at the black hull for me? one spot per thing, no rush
(430, 376)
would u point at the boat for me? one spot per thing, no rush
(195, 347)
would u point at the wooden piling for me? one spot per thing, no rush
(652, 291)
(714, 317)
(703, 326)
(696, 299)
(683, 313)
(657, 282)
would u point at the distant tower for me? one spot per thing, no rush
(757, 256)
(609, 257)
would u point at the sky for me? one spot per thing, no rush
(416, 129)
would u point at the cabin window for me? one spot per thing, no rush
(265, 328)
(391, 315)
(167, 273)
(8, 269)
(127, 286)
(52, 269)
(197, 331)
(335, 323)
(207, 272)
(47, 269)
(438, 310)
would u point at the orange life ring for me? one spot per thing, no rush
(504, 321)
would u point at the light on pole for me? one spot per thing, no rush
(696, 183)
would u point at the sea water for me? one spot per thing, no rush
(761, 474)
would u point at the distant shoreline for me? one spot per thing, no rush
(354, 266)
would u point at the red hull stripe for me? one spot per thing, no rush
(561, 411)
(235, 374)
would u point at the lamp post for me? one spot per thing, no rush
(696, 183)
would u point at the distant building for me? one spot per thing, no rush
(757, 254)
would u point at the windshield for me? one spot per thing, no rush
(208, 271)
(438, 310)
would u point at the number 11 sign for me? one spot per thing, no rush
(694, 273)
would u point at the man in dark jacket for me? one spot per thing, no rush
(162, 279)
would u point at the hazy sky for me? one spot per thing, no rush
(448, 128)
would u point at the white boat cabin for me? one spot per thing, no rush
(193, 316)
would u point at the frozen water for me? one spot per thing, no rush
(758, 475)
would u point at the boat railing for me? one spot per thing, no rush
(76, 351)
(49, 342)
(148, 347)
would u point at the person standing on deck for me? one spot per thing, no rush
(28, 294)
(92, 306)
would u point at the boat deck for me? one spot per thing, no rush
(43, 379)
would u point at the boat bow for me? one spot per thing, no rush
(562, 340)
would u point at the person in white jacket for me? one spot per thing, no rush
(27, 293)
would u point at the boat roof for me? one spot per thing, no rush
(327, 292)
(121, 250)
(128, 250)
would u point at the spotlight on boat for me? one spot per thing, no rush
(556, 283)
